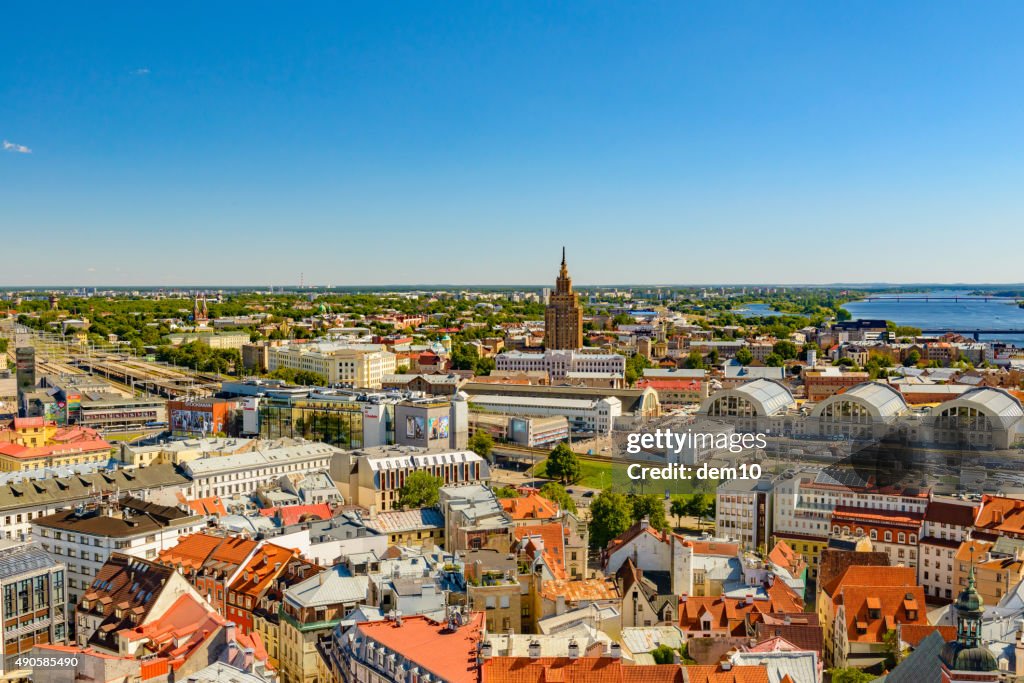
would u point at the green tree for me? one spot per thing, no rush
(482, 444)
(913, 358)
(850, 675)
(678, 509)
(699, 505)
(562, 464)
(505, 492)
(663, 654)
(420, 490)
(694, 361)
(635, 366)
(744, 356)
(786, 349)
(651, 506)
(611, 514)
(557, 494)
(774, 360)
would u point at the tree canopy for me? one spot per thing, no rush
(421, 490)
(562, 464)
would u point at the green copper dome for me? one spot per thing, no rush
(975, 659)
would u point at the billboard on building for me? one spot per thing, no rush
(192, 422)
(415, 427)
(437, 427)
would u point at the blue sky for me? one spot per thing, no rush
(416, 142)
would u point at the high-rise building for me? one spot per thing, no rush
(563, 319)
(25, 364)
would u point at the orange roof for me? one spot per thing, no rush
(1004, 515)
(784, 556)
(547, 538)
(871, 611)
(450, 656)
(212, 505)
(191, 551)
(610, 670)
(913, 634)
(29, 422)
(711, 547)
(575, 590)
(862, 575)
(262, 568)
(79, 447)
(233, 550)
(731, 614)
(529, 506)
(293, 514)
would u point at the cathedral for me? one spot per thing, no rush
(563, 319)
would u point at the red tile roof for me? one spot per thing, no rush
(450, 656)
(293, 514)
(872, 611)
(577, 590)
(1002, 515)
(861, 575)
(913, 634)
(547, 538)
(730, 615)
(207, 506)
(529, 506)
(784, 556)
(609, 670)
(269, 562)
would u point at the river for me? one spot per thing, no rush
(946, 314)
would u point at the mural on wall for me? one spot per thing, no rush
(415, 427)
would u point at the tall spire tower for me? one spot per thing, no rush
(563, 319)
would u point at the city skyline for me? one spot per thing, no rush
(366, 146)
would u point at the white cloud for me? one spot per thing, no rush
(18, 149)
(142, 71)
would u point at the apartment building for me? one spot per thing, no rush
(805, 501)
(358, 365)
(743, 511)
(85, 538)
(34, 608)
(947, 524)
(373, 477)
(559, 362)
(244, 472)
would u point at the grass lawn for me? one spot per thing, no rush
(601, 475)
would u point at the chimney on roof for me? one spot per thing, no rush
(534, 649)
(574, 649)
(683, 598)
(614, 650)
(486, 650)
(749, 599)
(645, 522)
(726, 665)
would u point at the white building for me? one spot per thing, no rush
(946, 525)
(361, 365)
(743, 511)
(558, 363)
(242, 473)
(84, 538)
(597, 416)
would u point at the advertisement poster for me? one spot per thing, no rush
(192, 422)
(415, 428)
(438, 427)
